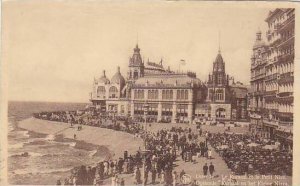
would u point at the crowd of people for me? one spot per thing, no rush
(162, 148)
(245, 154)
(156, 162)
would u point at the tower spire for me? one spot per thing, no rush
(219, 42)
(137, 38)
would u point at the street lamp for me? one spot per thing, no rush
(146, 108)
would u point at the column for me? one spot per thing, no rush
(159, 110)
(174, 112)
(190, 112)
(119, 108)
(132, 109)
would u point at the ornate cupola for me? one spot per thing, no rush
(136, 65)
(103, 78)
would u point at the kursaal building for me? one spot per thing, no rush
(171, 96)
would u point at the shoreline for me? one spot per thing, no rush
(116, 141)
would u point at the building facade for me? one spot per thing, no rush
(225, 99)
(171, 96)
(271, 111)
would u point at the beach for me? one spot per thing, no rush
(117, 142)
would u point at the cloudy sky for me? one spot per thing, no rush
(54, 49)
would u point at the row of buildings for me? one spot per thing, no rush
(171, 96)
(182, 97)
(270, 97)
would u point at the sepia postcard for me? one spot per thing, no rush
(172, 93)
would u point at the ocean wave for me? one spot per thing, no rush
(71, 144)
(16, 146)
(93, 153)
(38, 171)
(27, 154)
(10, 127)
(24, 133)
(50, 137)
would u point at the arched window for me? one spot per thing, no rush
(219, 95)
(156, 94)
(135, 74)
(167, 94)
(113, 91)
(178, 94)
(186, 95)
(181, 94)
(101, 92)
(164, 94)
(171, 94)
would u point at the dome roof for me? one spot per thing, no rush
(118, 78)
(103, 79)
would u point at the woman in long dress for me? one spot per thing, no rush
(162, 178)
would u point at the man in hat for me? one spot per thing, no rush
(211, 169)
(205, 168)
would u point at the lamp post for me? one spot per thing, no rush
(146, 108)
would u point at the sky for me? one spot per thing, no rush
(54, 49)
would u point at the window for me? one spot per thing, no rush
(219, 95)
(135, 74)
(178, 94)
(113, 92)
(219, 79)
(186, 95)
(101, 92)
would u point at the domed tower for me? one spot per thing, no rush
(118, 81)
(103, 79)
(136, 65)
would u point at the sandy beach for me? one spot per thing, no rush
(117, 142)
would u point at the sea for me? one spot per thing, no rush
(41, 159)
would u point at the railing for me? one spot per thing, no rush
(286, 123)
(271, 77)
(270, 122)
(258, 76)
(286, 57)
(271, 92)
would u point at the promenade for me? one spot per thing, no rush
(118, 142)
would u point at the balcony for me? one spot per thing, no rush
(270, 122)
(282, 94)
(285, 114)
(289, 57)
(286, 123)
(270, 93)
(286, 22)
(257, 76)
(287, 77)
(258, 93)
(271, 77)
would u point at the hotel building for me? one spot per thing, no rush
(272, 77)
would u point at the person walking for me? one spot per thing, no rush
(137, 175)
(153, 174)
(205, 168)
(209, 153)
(174, 178)
(162, 178)
(211, 169)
